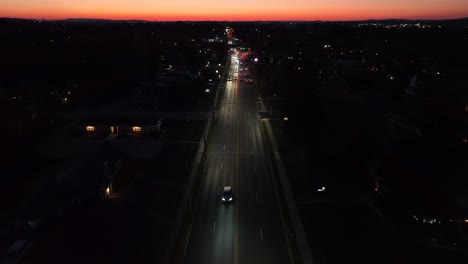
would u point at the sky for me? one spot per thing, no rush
(235, 10)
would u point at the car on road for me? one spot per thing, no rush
(229, 79)
(227, 194)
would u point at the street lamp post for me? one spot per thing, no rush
(212, 110)
(212, 104)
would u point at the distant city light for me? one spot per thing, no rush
(136, 129)
(285, 118)
(321, 189)
(90, 128)
(217, 71)
(207, 90)
(219, 64)
(256, 59)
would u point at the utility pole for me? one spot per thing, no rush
(213, 106)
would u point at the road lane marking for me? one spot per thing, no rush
(249, 123)
(256, 195)
(236, 247)
(261, 234)
(188, 237)
(222, 163)
(214, 226)
(224, 148)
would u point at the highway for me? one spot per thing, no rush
(250, 229)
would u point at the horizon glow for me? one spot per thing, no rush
(241, 10)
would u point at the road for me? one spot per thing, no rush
(250, 229)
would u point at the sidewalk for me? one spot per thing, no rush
(181, 232)
(298, 230)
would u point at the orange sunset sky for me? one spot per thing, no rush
(235, 10)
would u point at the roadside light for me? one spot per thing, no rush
(219, 64)
(285, 118)
(207, 90)
(466, 221)
(90, 128)
(256, 59)
(136, 129)
(217, 71)
(321, 189)
(108, 191)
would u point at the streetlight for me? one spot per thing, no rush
(207, 90)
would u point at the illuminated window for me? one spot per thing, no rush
(90, 128)
(136, 129)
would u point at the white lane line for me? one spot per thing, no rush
(222, 163)
(214, 226)
(249, 123)
(256, 195)
(224, 148)
(219, 186)
(261, 234)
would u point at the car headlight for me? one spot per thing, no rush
(223, 199)
(230, 199)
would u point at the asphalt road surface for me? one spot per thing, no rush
(250, 229)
